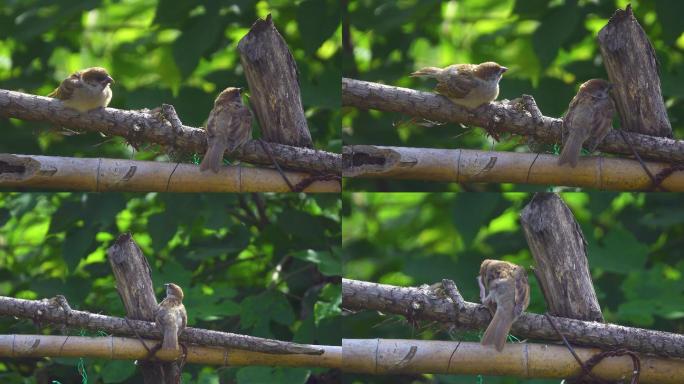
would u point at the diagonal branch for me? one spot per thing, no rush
(416, 304)
(48, 311)
(146, 126)
(498, 116)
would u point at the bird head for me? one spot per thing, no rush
(96, 77)
(172, 290)
(229, 95)
(597, 88)
(489, 71)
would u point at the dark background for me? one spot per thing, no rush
(176, 52)
(274, 277)
(635, 249)
(549, 47)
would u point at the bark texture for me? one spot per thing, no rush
(272, 76)
(134, 285)
(632, 67)
(504, 116)
(106, 175)
(423, 304)
(473, 166)
(560, 254)
(139, 127)
(48, 311)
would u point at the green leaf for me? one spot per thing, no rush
(317, 21)
(116, 371)
(556, 27)
(172, 13)
(328, 263)
(670, 17)
(199, 34)
(530, 9)
(471, 212)
(78, 243)
(329, 303)
(162, 227)
(620, 252)
(5, 215)
(259, 310)
(275, 375)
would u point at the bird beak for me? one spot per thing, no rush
(504, 69)
(109, 80)
(166, 285)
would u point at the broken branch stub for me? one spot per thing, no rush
(632, 67)
(272, 76)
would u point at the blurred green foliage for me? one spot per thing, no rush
(635, 250)
(160, 51)
(549, 47)
(264, 265)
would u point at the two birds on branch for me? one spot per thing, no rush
(586, 123)
(229, 125)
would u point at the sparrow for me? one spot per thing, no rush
(588, 120)
(469, 85)
(228, 127)
(505, 292)
(171, 316)
(85, 90)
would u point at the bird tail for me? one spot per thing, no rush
(427, 72)
(497, 331)
(571, 150)
(214, 156)
(170, 337)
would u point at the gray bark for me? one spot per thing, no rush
(501, 116)
(559, 250)
(272, 76)
(139, 127)
(422, 304)
(632, 67)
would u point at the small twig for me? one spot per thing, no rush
(654, 183)
(530, 106)
(452, 292)
(149, 352)
(282, 174)
(168, 112)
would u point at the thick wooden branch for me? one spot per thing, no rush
(560, 254)
(524, 360)
(498, 116)
(272, 76)
(50, 311)
(423, 304)
(106, 175)
(120, 348)
(471, 166)
(632, 67)
(145, 126)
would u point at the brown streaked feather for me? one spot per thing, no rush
(66, 87)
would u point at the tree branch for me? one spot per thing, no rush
(146, 126)
(419, 304)
(472, 166)
(48, 311)
(502, 116)
(98, 174)
(120, 348)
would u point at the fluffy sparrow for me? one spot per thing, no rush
(505, 292)
(588, 120)
(229, 126)
(85, 90)
(171, 316)
(469, 85)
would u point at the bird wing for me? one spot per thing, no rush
(456, 84)
(66, 87)
(603, 123)
(522, 291)
(240, 128)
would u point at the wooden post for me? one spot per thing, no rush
(134, 284)
(559, 250)
(272, 76)
(632, 67)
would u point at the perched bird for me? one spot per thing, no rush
(469, 85)
(228, 127)
(505, 292)
(588, 120)
(85, 90)
(171, 316)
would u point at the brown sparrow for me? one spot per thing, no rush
(171, 316)
(505, 292)
(85, 90)
(588, 120)
(228, 127)
(469, 85)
